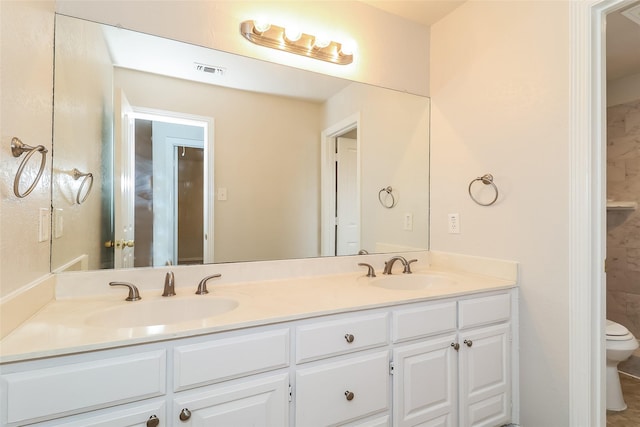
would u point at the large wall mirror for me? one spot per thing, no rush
(167, 153)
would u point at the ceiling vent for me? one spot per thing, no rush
(210, 69)
(633, 14)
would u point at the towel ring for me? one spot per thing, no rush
(486, 179)
(17, 149)
(88, 177)
(389, 192)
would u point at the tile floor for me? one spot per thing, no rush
(631, 416)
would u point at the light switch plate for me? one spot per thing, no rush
(58, 223)
(44, 225)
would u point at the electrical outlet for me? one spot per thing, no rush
(454, 223)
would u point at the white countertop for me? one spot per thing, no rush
(59, 327)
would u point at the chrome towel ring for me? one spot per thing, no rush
(88, 177)
(486, 179)
(385, 202)
(17, 149)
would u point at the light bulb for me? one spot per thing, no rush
(261, 26)
(321, 41)
(292, 34)
(347, 48)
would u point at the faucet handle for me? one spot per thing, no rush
(134, 295)
(370, 271)
(407, 266)
(169, 285)
(202, 286)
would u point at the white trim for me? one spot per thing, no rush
(587, 212)
(328, 180)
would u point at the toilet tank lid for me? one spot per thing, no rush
(616, 329)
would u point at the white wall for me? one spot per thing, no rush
(500, 104)
(26, 61)
(83, 126)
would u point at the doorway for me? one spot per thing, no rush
(171, 214)
(340, 168)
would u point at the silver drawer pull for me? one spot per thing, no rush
(349, 395)
(455, 346)
(153, 421)
(185, 414)
(349, 338)
(469, 343)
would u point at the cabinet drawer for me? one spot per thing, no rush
(342, 336)
(321, 392)
(261, 402)
(423, 321)
(485, 310)
(64, 390)
(223, 359)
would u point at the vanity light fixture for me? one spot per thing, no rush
(294, 41)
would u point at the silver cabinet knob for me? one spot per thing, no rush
(185, 414)
(349, 395)
(349, 338)
(153, 421)
(455, 346)
(469, 343)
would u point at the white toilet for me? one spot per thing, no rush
(620, 345)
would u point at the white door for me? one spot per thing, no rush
(124, 182)
(167, 138)
(425, 383)
(485, 385)
(347, 198)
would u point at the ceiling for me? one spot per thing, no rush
(623, 35)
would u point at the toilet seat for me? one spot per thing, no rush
(617, 332)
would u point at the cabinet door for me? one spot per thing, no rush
(425, 383)
(485, 383)
(262, 402)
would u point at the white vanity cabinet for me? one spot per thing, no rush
(444, 362)
(456, 371)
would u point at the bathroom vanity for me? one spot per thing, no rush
(328, 350)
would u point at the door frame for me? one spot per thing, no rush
(328, 179)
(587, 212)
(209, 149)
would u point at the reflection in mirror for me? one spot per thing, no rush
(204, 156)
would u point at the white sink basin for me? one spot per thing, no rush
(165, 311)
(411, 282)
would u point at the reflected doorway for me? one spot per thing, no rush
(340, 227)
(169, 193)
(171, 212)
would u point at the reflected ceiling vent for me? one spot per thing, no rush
(633, 13)
(210, 69)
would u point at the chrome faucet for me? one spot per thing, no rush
(169, 285)
(406, 264)
(202, 286)
(388, 266)
(134, 295)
